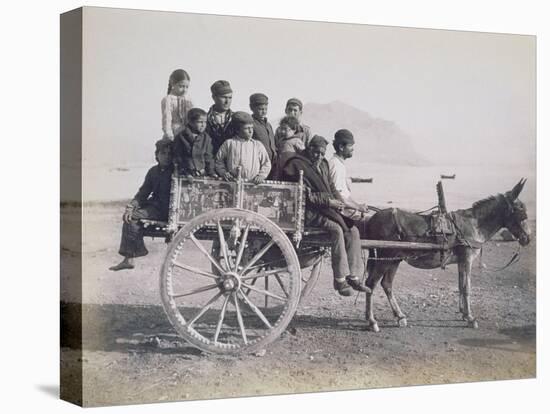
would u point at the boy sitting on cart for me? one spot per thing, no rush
(193, 153)
(323, 209)
(151, 202)
(242, 153)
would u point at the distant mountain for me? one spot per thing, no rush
(376, 140)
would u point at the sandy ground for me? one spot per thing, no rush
(132, 355)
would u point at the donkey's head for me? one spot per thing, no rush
(515, 217)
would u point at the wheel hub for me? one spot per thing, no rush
(230, 282)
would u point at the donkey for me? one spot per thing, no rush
(473, 227)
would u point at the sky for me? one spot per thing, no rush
(463, 97)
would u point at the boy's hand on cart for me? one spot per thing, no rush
(189, 178)
(228, 176)
(258, 179)
(127, 216)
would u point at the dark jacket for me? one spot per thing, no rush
(193, 153)
(263, 132)
(155, 190)
(218, 132)
(319, 189)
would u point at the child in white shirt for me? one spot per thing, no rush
(175, 105)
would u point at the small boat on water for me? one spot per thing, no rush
(361, 180)
(448, 177)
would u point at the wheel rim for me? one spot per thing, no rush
(237, 297)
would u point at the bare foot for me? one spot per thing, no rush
(125, 264)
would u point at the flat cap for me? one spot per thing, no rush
(294, 101)
(221, 87)
(317, 141)
(258, 99)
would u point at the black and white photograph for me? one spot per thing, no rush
(262, 216)
(282, 205)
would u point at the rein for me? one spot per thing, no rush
(514, 259)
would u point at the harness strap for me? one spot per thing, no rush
(400, 232)
(461, 238)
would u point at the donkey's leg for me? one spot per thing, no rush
(465, 266)
(375, 275)
(387, 285)
(461, 287)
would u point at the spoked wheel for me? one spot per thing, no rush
(251, 297)
(309, 283)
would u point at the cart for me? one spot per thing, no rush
(239, 261)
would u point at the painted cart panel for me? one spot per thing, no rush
(281, 202)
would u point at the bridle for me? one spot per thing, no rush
(511, 214)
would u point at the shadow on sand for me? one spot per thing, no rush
(520, 339)
(145, 328)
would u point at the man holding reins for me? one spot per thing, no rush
(343, 147)
(323, 209)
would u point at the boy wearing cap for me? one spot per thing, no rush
(151, 202)
(294, 108)
(343, 147)
(220, 114)
(323, 209)
(263, 131)
(243, 153)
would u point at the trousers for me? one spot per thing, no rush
(345, 248)
(131, 241)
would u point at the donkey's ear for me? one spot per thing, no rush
(514, 193)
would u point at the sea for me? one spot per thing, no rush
(403, 186)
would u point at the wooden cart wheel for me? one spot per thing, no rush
(251, 298)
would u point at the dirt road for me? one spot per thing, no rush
(132, 355)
